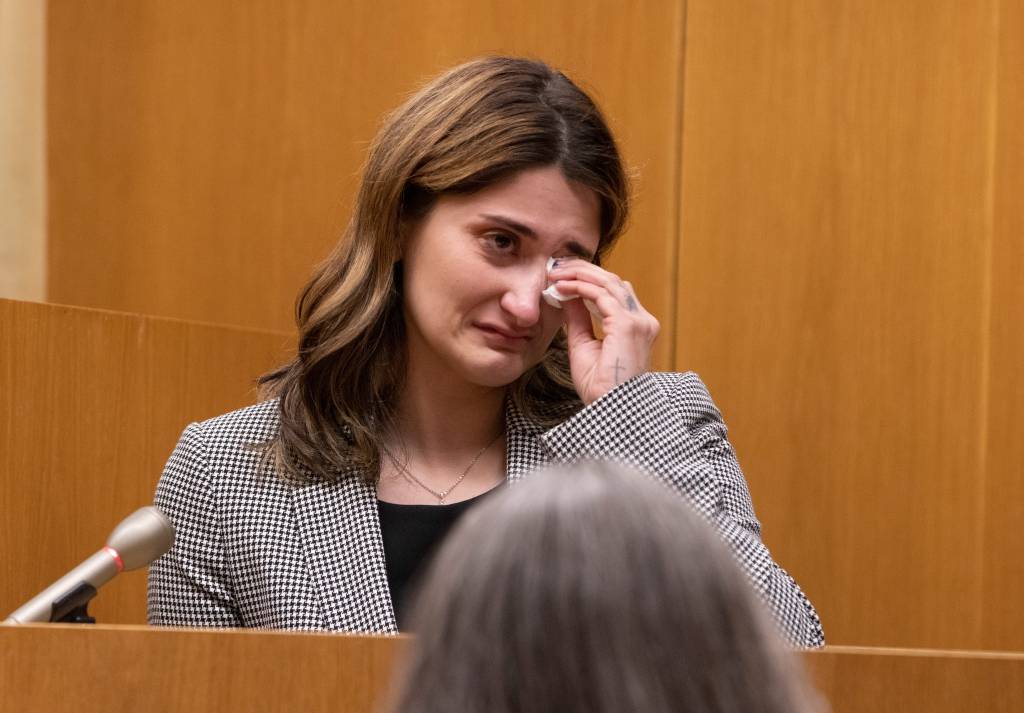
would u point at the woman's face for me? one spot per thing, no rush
(474, 270)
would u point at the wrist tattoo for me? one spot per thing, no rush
(617, 368)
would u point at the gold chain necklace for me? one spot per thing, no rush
(439, 494)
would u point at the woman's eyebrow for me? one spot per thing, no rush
(573, 246)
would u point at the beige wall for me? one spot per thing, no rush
(22, 150)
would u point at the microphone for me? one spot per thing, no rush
(138, 540)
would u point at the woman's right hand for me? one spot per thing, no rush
(600, 364)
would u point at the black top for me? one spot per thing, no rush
(412, 534)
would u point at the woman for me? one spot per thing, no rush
(588, 590)
(430, 369)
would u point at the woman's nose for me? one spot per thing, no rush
(522, 298)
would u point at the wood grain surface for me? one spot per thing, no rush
(1001, 552)
(81, 668)
(880, 680)
(91, 405)
(203, 156)
(109, 668)
(828, 224)
(834, 294)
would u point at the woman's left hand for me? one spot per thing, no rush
(599, 365)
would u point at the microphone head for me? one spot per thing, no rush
(142, 537)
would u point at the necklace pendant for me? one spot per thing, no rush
(440, 495)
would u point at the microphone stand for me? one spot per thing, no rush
(138, 540)
(73, 607)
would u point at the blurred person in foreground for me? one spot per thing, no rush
(588, 590)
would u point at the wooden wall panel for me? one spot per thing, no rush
(203, 155)
(850, 251)
(833, 289)
(1002, 549)
(91, 404)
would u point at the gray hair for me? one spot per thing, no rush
(591, 589)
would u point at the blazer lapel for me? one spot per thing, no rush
(340, 532)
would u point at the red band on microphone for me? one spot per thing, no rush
(116, 557)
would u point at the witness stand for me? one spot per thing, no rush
(131, 668)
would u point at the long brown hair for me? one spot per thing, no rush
(592, 589)
(469, 128)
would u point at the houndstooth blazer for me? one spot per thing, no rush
(255, 551)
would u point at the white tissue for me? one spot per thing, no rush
(555, 298)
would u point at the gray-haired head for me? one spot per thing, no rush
(591, 588)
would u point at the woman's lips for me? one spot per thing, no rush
(504, 337)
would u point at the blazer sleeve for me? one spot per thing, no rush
(667, 424)
(190, 585)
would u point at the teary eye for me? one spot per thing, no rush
(501, 242)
